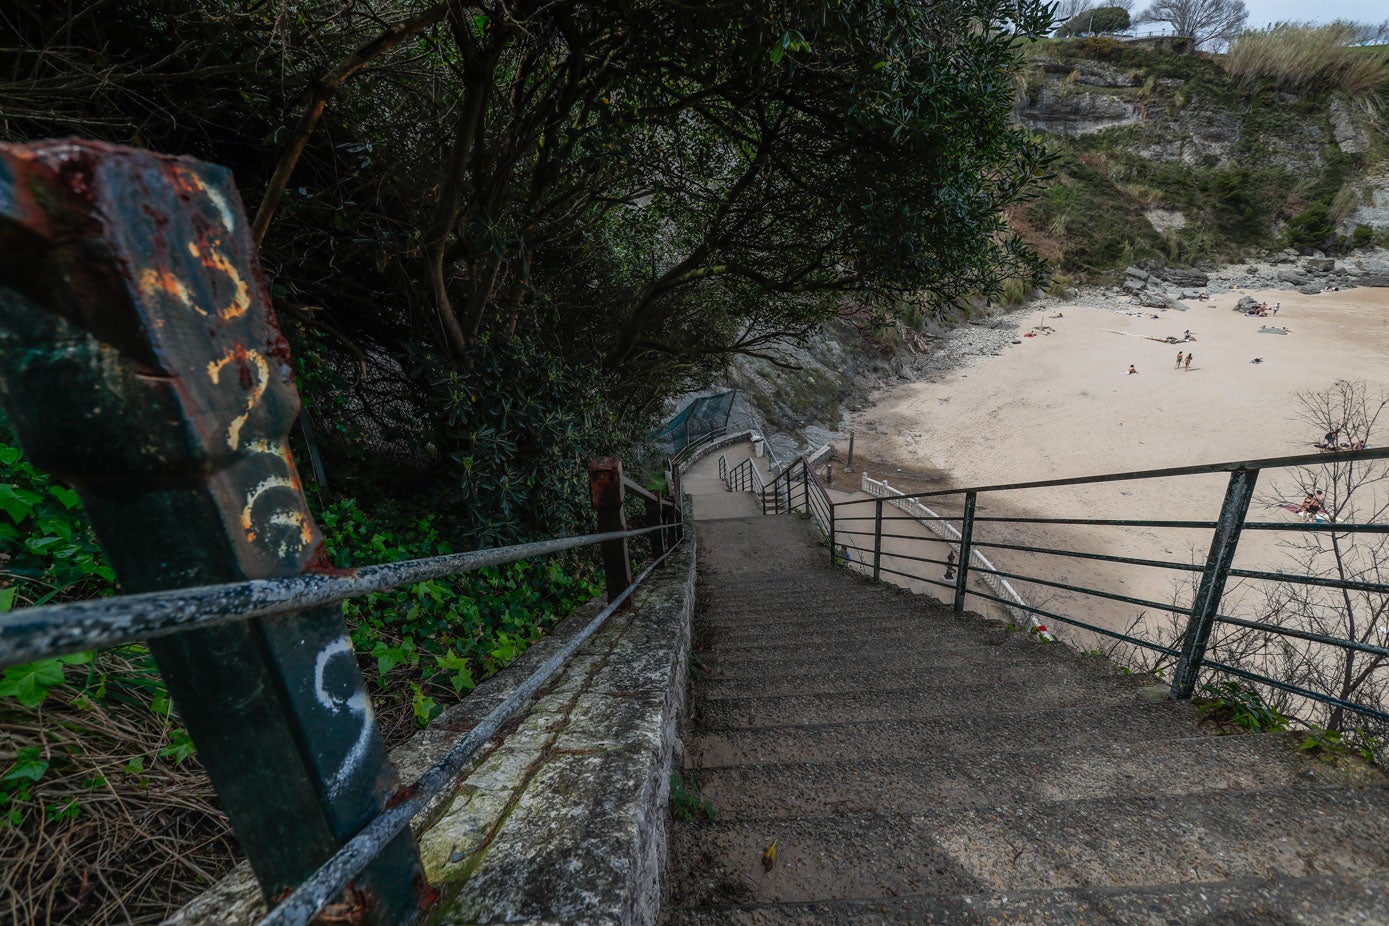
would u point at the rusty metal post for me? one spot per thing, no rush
(605, 488)
(140, 362)
(966, 550)
(1204, 608)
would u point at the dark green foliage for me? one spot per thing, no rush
(1362, 237)
(1097, 21)
(1229, 703)
(433, 642)
(1311, 229)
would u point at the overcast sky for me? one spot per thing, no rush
(1264, 12)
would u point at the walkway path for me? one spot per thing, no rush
(911, 765)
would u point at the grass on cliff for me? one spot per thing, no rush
(1305, 58)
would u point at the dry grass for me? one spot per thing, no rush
(136, 842)
(1302, 57)
(147, 836)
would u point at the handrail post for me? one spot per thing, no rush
(1224, 543)
(143, 366)
(654, 513)
(605, 488)
(877, 540)
(966, 539)
(834, 549)
(805, 483)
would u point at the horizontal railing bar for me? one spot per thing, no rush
(1348, 584)
(1096, 522)
(640, 489)
(56, 630)
(1103, 557)
(886, 517)
(1316, 526)
(1305, 459)
(301, 906)
(916, 559)
(1096, 593)
(922, 559)
(1305, 635)
(1104, 631)
(856, 533)
(907, 575)
(931, 539)
(1298, 690)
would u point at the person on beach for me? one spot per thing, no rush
(1131, 370)
(1179, 360)
(1276, 307)
(1188, 361)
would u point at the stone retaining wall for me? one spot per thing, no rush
(563, 818)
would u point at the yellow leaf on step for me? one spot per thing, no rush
(769, 857)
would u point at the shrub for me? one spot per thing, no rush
(1362, 237)
(1311, 228)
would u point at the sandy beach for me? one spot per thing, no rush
(1063, 404)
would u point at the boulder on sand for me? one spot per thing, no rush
(1246, 304)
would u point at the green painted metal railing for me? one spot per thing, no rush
(1204, 613)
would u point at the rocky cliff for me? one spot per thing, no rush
(1165, 156)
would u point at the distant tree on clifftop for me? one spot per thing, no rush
(1202, 21)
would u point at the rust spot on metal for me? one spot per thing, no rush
(402, 795)
(354, 910)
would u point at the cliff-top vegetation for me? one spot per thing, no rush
(1206, 157)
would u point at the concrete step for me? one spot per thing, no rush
(1009, 650)
(965, 735)
(903, 626)
(918, 701)
(864, 650)
(778, 682)
(1209, 837)
(1318, 900)
(1010, 777)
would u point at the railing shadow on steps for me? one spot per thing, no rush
(799, 488)
(177, 466)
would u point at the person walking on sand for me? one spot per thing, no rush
(1179, 360)
(1131, 370)
(1276, 306)
(1188, 361)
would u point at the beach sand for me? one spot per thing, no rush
(1062, 405)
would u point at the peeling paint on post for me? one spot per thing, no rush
(605, 488)
(140, 362)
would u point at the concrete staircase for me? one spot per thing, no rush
(912, 765)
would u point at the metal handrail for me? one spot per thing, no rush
(30, 634)
(315, 892)
(1303, 459)
(1204, 612)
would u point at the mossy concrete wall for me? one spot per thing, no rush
(563, 817)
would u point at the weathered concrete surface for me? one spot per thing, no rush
(563, 817)
(566, 821)
(913, 765)
(710, 498)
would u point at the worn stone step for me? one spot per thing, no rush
(1318, 900)
(861, 649)
(778, 682)
(1061, 728)
(831, 631)
(918, 701)
(1012, 649)
(1013, 776)
(1216, 836)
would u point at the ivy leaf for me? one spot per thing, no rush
(30, 683)
(27, 766)
(66, 497)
